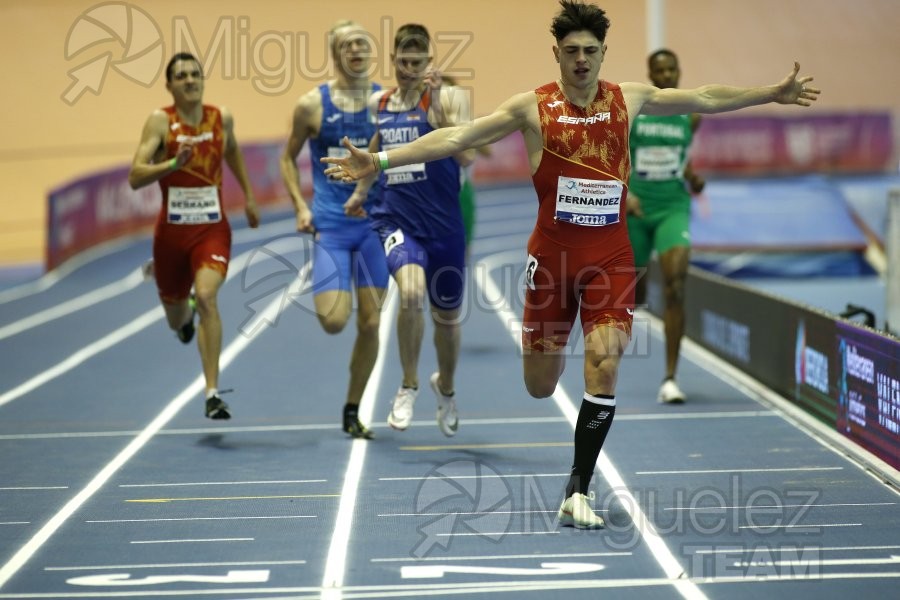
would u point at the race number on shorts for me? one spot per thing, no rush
(392, 241)
(530, 267)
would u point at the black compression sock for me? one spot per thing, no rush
(594, 420)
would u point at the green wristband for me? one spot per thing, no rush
(173, 164)
(383, 160)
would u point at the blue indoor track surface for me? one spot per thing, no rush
(114, 485)
(797, 213)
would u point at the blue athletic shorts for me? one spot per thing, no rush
(352, 252)
(443, 259)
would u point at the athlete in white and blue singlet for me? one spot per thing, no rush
(346, 247)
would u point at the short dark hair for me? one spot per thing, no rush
(412, 36)
(180, 56)
(661, 52)
(578, 16)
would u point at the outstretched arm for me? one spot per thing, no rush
(447, 141)
(715, 98)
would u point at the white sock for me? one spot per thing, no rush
(211, 392)
(600, 399)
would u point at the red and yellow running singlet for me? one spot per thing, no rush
(579, 256)
(192, 194)
(582, 179)
(192, 231)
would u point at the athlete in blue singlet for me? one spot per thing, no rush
(346, 247)
(420, 222)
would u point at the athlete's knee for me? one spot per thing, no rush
(332, 323)
(206, 298)
(674, 290)
(540, 385)
(412, 297)
(367, 325)
(603, 375)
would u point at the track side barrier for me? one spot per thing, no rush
(843, 374)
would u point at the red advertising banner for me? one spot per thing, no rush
(102, 206)
(755, 145)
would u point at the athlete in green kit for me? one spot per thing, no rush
(659, 208)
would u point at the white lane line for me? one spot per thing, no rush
(335, 563)
(170, 519)
(459, 588)
(795, 548)
(826, 437)
(664, 557)
(48, 280)
(713, 471)
(193, 541)
(422, 423)
(497, 534)
(754, 507)
(828, 562)
(116, 336)
(127, 283)
(805, 526)
(193, 483)
(454, 477)
(240, 343)
(498, 557)
(738, 414)
(496, 421)
(474, 512)
(89, 351)
(259, 563)
(29, 288)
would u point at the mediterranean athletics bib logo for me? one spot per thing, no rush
(122, 37)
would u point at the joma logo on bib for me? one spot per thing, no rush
(588, 202)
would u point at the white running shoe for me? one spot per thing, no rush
(148, 270)
(402, 408)
(447, 417)
(576, 512)
(670, 393)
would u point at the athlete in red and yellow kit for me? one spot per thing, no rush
(576, 138)
(182, 147)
